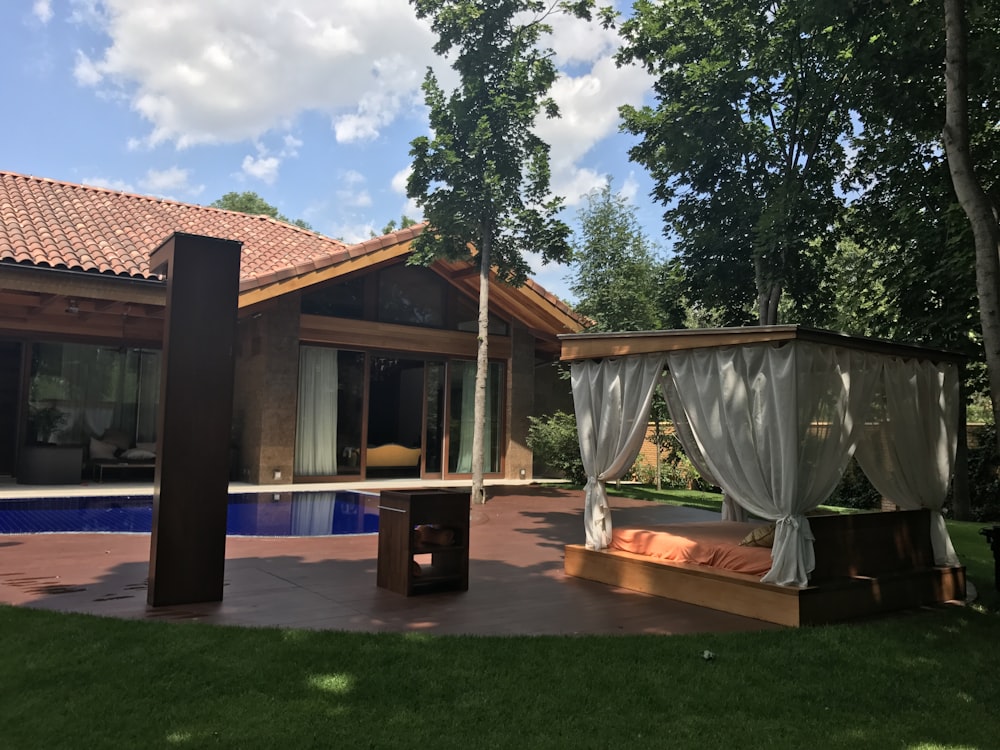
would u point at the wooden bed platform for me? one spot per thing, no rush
(866, 564)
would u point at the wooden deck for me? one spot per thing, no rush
(517, 585)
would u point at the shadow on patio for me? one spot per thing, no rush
(516, 580)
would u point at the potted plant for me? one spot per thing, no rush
(46, 421)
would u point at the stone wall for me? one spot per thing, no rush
(520, 403)
(267, 372)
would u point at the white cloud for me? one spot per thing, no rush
(170, 182)
(411, 210)
(397, 88)
(109, 183)
(85, 71)
(352, 232)
(291, 146)
(87, 13)
(42, 9)
(399, 179)
(589, 105)
(630, 188)
(212, 72)
(264, 168)
(352, 194)
(352, 177)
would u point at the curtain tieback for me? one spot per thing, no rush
(789, 521)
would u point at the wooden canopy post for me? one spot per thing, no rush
(190, 492)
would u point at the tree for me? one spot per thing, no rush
(978, 206)
(482, 177)
(251, 203)
(616, 276)
(746, 144)
(404, 222)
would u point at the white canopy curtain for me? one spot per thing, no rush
(909, 454)
(316, 429)
(776, 426)
(731, 510)
(612, 398)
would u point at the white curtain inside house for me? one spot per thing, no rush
(612, 398)
(467, 419)
(908, 448)
(316, 429)
(776, 426)
(731, 510)
(312, 513)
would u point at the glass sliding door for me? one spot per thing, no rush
(461, 401)
(395, 417)
(328, 430)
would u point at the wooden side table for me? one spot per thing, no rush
(410, 522)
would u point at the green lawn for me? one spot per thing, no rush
(920, 680)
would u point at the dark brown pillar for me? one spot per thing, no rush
(188, 548)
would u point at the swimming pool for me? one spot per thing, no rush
(333, 513)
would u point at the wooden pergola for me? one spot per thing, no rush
(578, 346)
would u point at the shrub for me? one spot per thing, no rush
(676, 470)
(553, 440)
(854, 490)
(984, 475)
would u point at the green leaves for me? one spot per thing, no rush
(747, 139)
(484, 171)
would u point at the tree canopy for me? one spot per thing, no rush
(251, 203)
(617, 278)
(746, 142)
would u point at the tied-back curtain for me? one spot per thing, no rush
(776, 426)
(908, 450)
(612, 398)
(731, 510)
(316, 429)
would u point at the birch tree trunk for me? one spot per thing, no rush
(968, 189)
(482, 370)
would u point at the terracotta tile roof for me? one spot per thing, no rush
(61, 225)
(55, 224)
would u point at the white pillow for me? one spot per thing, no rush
(151, 447)
(135, 454)
(99, 450)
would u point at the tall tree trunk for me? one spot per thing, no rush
(973, 199)
(482, 369)
(768, 296)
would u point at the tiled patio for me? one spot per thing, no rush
(516, 587)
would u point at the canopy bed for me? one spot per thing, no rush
(772, 415)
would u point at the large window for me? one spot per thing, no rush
(404, 295)
(462, 395)
(79, 391)
(412, 296)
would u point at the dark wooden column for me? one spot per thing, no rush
(188, 548)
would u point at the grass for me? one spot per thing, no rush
(920, 680)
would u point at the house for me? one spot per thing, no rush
(350, 364)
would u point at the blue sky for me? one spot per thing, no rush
(309, 103)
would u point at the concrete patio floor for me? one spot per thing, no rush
(516, 580)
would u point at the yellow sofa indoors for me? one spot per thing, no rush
(392, 455)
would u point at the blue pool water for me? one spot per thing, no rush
(267, 514)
